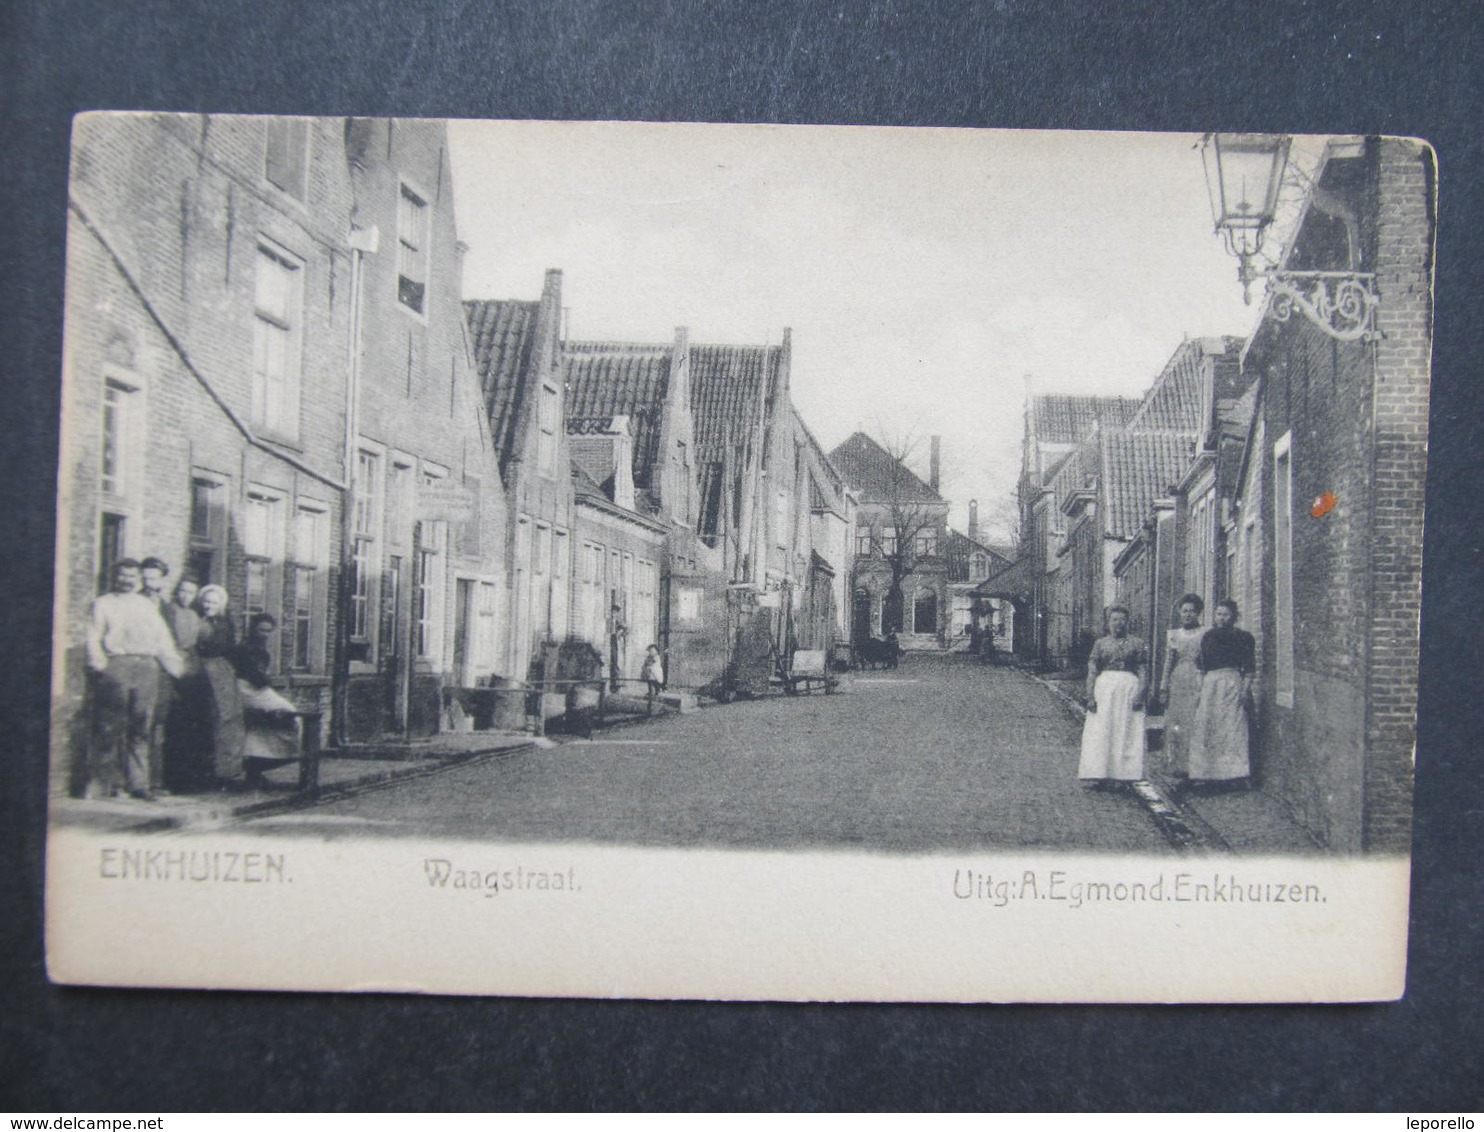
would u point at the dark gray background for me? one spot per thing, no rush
(1343, 67)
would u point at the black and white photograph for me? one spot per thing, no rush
(569, 557)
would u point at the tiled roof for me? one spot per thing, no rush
(503, 334)
(871, 470)
(1236, 415)
(729, 387)
(1016, 580)
(1175, 402)
(726, 382)
(1076, 470)
(1138, 468)
(1065, 419)
(960, 550)
(611, 379)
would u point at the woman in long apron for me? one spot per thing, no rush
(216, 644)
(1219, 749)
(1181, 687)
(1117, 683)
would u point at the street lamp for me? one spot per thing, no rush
(1244, 176)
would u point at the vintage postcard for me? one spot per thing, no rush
(738, 562)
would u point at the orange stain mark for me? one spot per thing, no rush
(1324, 504)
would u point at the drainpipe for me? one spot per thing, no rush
(362, 241)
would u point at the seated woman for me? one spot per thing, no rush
(252, 661)
(272, 721)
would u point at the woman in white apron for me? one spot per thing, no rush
(1117, 683)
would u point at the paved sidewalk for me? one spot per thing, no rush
(343, 772)
(1204, 818)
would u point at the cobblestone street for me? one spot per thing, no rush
(940, 754)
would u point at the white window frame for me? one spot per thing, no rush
(368, 536)
(1283, 597)
(123, 396)
(267, 503)
(281, 422)
(410, 254)
(486, 623)
(312, 555)
(397, 517)
(548, 420)
(1251, 578)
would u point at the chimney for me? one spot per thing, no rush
(974, 519)
(934, 460)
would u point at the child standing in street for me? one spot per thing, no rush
(653, 672)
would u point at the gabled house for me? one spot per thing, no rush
(205, 382)
(253, 306)
(971, 563)
(1056, 425)
(1175, 546)
(426, 523)
(717, 460)
(900, 577)
(1325, 537)
(518, 354)
(827, 507)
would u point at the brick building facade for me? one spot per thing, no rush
(900, 576)
(426, 525)
(517, 348)
(240, 334)
(1335, 596)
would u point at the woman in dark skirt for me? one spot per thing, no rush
(216, 645)
(1228, 661)
(188, 720)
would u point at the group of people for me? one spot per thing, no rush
(1206, 694)
(173, 689)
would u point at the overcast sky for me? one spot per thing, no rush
(924, 273)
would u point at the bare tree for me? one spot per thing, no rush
(1002, 520)
(911, 525)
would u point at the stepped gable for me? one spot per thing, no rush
(1138, 468)
(871, 470)
(1061, 418)
(502, 332)
(613, 379)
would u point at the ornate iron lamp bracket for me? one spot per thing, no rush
(1341, 303)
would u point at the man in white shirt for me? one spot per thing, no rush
(128, 644)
